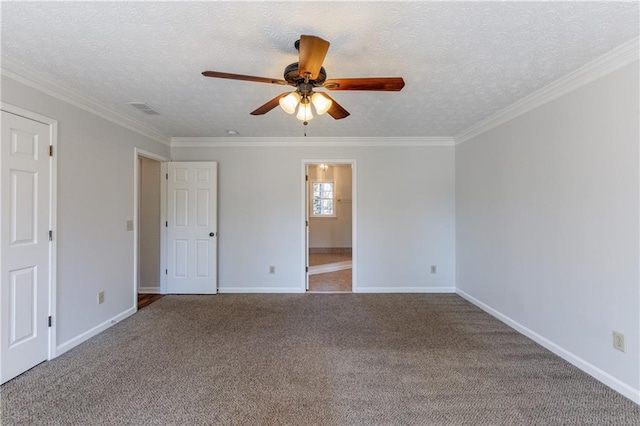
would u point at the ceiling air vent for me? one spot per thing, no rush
(144, 108)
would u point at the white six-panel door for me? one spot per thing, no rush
(24, 251)
(192, 228)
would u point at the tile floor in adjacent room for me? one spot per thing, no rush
(330, 281)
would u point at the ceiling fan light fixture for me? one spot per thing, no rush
(304, 111)
(321, 103)
(308, 74)
(290, 102)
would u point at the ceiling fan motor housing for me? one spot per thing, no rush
(292, 76)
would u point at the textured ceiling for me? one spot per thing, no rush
(461, 61)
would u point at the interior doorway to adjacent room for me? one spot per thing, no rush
(149, 217)
(329, 225)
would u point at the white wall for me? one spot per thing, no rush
(547, 225)
(95, 160)
(333, 232)
(149, 225)
(399, 234)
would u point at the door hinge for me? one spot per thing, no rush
(50, 321)
(166, 224)
(306, 269)
(50, 150)
(50, 235)
(306, 178)
(166, 271)
(307, 222)
(167, 176)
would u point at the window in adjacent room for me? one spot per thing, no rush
(323, 199)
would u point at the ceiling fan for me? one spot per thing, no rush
(308, 74)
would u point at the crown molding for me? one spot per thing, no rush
(45, 84)
(228, 142)
(617, 58)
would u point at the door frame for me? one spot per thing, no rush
(53, 209)
(137, 154)
(354, 217)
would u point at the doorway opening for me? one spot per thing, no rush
(149, 216)
(329, 226)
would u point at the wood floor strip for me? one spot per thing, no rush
(147, 299)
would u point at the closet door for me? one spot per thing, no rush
(25, 247)
(192, 228)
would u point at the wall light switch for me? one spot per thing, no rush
(434, 269)
(100, 297)
(129, 225)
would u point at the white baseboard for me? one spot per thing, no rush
(230, 290)
(148, 290)
(606, 378)
(330, 267)
(404, 290)
(72, 343)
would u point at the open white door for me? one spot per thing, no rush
(192, 228)
(25, 247)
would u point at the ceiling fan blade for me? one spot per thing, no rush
(269, 105)
(336, 110)
(312, 52)
(392, 84)
(217, 74)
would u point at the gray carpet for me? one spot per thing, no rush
(341, 359)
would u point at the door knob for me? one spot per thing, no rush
(212, 234)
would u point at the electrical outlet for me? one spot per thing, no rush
(434, 269)
(100, 297)
(618, 341)
(272, 269)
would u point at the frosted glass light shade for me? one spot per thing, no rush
(321, 102)
(290, 102)
(304, 112)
